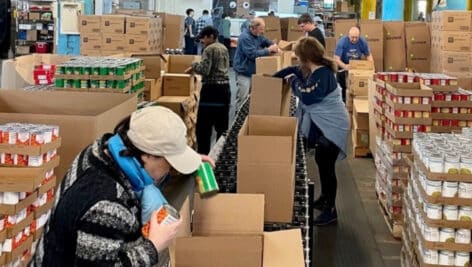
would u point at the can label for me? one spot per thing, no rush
(206, 180)
(447, 235)
(166, 214)
(463, 236)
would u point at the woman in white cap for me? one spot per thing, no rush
(110, 192)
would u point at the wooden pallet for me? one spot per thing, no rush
(393, 225)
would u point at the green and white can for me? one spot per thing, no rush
(206, 181)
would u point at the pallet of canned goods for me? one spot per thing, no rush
(438, 199)
(101, 74)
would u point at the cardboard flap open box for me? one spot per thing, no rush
(81, 117)
(268, 65)
(269, 96)
(361, 113)
(179, 63)
(18, 72)
(245, 243)
(266, 163)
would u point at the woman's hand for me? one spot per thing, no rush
(161, 235)
(206, 158)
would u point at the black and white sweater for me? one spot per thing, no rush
(95, 219)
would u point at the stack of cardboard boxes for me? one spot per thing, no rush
(290, 29)
(28, 159)
(181, 92)
(113, 34)
(360, 127)
(360, 71)
(451, 43)
(172, 31)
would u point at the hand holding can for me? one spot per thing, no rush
(206, 180)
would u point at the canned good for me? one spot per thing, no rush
(166, 214)
(94, 84)
(102, 84)
(434, 211)
(436, 163)
(206, 180)
(466, 164)
(463, 236)
(59, 83)
(433, 188)
(465, 190)
(84, 84)
(103, 70)
(430, 256)
(446, 258)
(452, 163)
(407, 99)
(450, 189)
(430, 233)
(462, 258)
(465, 213)
(447, 235)
(450, 212)
(448, 97)
(94, 70)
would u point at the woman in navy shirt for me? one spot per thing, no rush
(323, 118)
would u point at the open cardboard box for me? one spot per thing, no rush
(266, 163)
(179, 63)
(228, 231)
(81, 117)
(269, 96)
(18, 72)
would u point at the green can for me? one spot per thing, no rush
(69, 70)
(206, 180)
(77, 70)
(120, 70)
(59, 83)
(103, 70)
(94, 70)
(102, 84)
(93, 84)
(121, 84)
(111, 84)
(85, 70)
(84, 84)
(61, 70)
(69, 84)
(76, 83)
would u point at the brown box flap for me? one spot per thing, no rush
(283, 248)
(219, 251)
(269, 96)
(228, 214)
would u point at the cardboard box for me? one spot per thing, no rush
(453, 20)
(294, 32)
(330, 46)
(266, 163)
(143, 25)
(360, 138)
(91, 52)
(89, 24)
(452, 62)
(361, 114)
(286, 46)
(342, 27)
(418, 46)
(179, 63)
(272, 30)
(81, 117)
(176, 84)
(18, 72)
(372, 122)
(90, 41)
(142, 43)
(372, 31)
(181, 105)
(31, 35)
(114, 42)
(394, 46)
(112, 24)
(224, 234)
(269, 96)
(152, 89)
(153, 64)
(268, 65)
(358, 82)
(361, 65)
(172, 30)
(455, 41)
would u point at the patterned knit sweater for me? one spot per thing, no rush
(95, 220)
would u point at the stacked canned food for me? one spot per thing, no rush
(226, 174)
(452, 110)
(121, 74)
(26, 201)
(27, 135)
(439, 198)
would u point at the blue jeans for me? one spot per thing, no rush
(190, 48)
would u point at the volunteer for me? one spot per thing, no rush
(215, 96)
(323, 118)
(350, 47)
(109, 192)
(190, 31)
(306, 23)
(251, 44)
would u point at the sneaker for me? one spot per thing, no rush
(320, 203)
(327, 216)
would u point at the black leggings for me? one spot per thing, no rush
(341, 78)
(326, 154)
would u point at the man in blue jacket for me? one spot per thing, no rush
(251, 44)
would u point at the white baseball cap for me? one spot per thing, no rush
(160, 132)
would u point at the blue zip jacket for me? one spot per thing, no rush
(249, 48)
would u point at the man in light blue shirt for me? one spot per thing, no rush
(350, 47)
(202, 22)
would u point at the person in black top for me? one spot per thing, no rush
(306, 23)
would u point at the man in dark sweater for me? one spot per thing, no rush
(215, 96)
(306, 23)
(109, 193)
